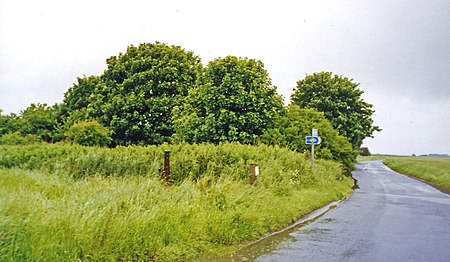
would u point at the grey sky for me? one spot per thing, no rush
(398, 50)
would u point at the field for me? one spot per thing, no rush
(435, 170)
(71, 203)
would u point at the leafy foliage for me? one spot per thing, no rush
(89, 133)
(135, 96)
(364, 151)
(40, 120)
(16, 138)
(340, 100)
(8, 123)
(235, 101)
(78, 96)
(291, 129)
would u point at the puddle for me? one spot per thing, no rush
(355, 184)
(327, 220)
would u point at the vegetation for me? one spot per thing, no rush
(431, 169)
(364, 151)
(70, 203)
(234, 101)
(340, 100)
(90, 133)
(73, 201)
(156, 93)
(16, 138)
(8, 123)
(135, 96)
(292, 127)
(39, 120)
(435, 170)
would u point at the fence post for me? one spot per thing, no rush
(254, 172)
(166, 172)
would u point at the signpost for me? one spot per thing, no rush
(313, 140)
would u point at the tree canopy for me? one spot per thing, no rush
(8, 123)
(296, 123)
(234, 101)
(40, 120)
(340, 100)
(135, 96)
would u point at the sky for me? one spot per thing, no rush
(397, 50)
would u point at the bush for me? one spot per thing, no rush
(292, 128)
(364, 151)
(89, 133)
(16, 138)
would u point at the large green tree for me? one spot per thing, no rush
(136, 94)
(340, 100)
(78, 97)
(40, 120)
(234, 101)
(296, 123)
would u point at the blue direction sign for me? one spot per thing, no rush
(312, 140)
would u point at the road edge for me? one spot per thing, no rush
(441, 189)
(303, 220)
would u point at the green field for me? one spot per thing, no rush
(435, 170)
(72, 203)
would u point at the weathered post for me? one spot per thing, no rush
(166, 172)
(254, 172)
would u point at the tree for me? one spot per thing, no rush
(340, 100)
(89, 133)
(292, 127)
(364, 151)
(40, 120)
(8, 123)
(234, 101)
(135, 96)
(78, 97)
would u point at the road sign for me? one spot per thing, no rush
(315, 132)
(312, 140)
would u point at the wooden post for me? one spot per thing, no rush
(166, 172)
(254, 172)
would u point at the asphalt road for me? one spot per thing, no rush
(390, 217)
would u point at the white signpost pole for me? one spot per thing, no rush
(314, 133)
(313, 140)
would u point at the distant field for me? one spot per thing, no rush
(435, 170)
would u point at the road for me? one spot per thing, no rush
(390, 217)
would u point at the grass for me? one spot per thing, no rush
(435, 170)
(63, 203)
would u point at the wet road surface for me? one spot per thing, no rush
(390, 217)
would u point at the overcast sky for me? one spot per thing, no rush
(398, 50)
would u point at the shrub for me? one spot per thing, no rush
(364, 151)
(16, 138)
(89, 133)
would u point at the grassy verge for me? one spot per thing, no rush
(435, 170)
(62, 203)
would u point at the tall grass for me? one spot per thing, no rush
(65, 203)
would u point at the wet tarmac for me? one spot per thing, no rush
(389, 217)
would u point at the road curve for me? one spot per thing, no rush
(390, 217)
